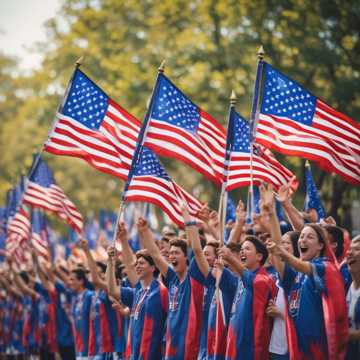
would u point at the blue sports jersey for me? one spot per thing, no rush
(31, 330)
(81, 317)
(250, 329)
(185, 314)
(305, 307)
(149, 308)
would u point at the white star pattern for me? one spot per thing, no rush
(86, 103)
(149, 165)
(175, 108)
(299, 106)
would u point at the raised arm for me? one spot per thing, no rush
(147, 239)
(44, 279)
(293, 214)
(83, 244)
(237, 229)
(112, 288)
(192, 234)
(127, 254)
(232, 260)
(211, 221)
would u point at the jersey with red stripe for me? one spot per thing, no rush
(100, 336)
(250, 329)
(47, 318)
(149, 308)
(308, 304)
(15, 323)
(219, 315)
(31, 330)
(81, 320)
(185, 314)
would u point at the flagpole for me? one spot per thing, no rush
(253, 123)
(140, 142)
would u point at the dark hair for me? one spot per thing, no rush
(25, 277)
(321, 234)
(259, 246)
(214, 244)
(234, 247)
(337, 235)
(294, 238)
(119, 267)
(143, 253)
(181, 244)
(102, 266)
(264, 236)
(80, 275)
(65, 270)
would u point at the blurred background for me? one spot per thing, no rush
(210, 47)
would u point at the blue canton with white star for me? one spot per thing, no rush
(173, 107)
(284, 97)
(149, 165)
(312, 198)
(86, 102)
(43, 175)
(241, 134)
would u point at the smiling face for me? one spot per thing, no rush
(353, 258)
(177, 259)
(249, 257)
(310, 246)
(144, 269)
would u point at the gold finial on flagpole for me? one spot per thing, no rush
(261, 53)
(307, 164)
(233, 98)
(161, 68)
(79, 61)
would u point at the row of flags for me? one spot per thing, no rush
(92, 126)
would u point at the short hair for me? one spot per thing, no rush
(264, 236)
(338, 235)
(259, 246)
(234, 247)
(102, 266)
(25, 277)
(214, 244)
(294, 238)
(181, 244)
(80, 274)
(143, 253)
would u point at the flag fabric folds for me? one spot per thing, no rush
(150, 183)
(180, 129)
(294, 122)
(39, 234)
(265, 167)
(312, 197)
(43, 192)
(93, 127)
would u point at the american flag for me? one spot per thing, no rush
(43, 192)
(312, 197)
(150, 183)
(2, 231)
(265, 167)
(178, 128)
(294, 122)
(39, 235)
(93, 127)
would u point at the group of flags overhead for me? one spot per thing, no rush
(92, 126)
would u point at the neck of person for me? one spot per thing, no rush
(147, 281)
(182, 274)
(356, 279)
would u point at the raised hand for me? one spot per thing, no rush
(83, 244)
(185, 211)
(267, 198)
(204, 214)
(112, 252)
(283, 194)
(121, 233)
(142, 225)
(240, 212)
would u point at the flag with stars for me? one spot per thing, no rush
(43, 192)
(93, 127)
(150, 183)
(292, 121)
(312, 197)
(265, 167)
(180, 129)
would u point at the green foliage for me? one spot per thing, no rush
(210, 47)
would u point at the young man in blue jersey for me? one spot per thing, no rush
(185, 296)
(249, 329)
(353, 300)
(147, 299)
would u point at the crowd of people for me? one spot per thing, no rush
(267, 293)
